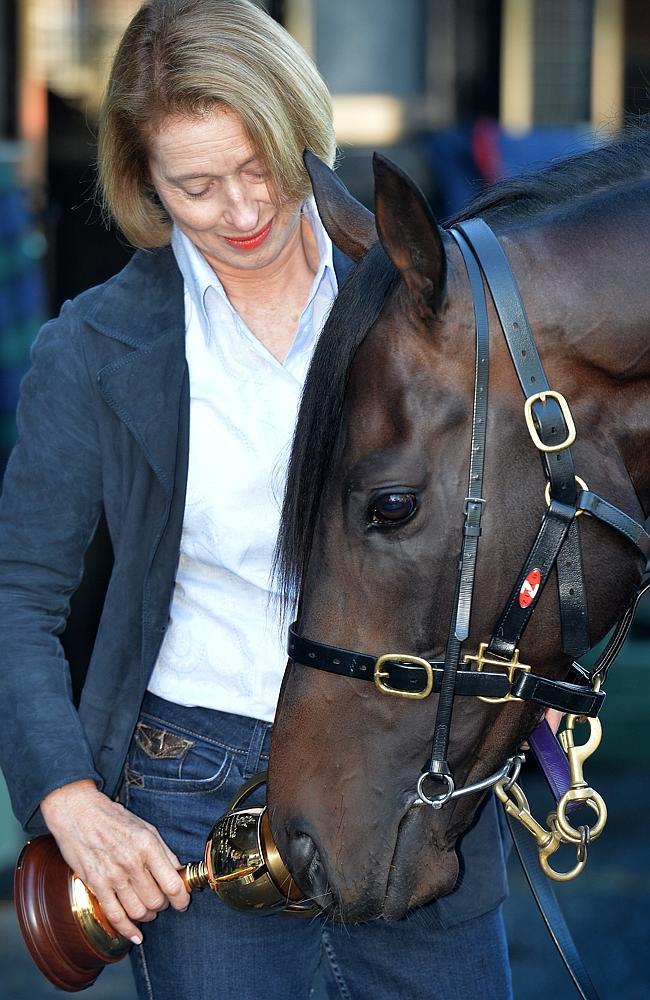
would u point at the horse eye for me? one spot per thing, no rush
(392, 508)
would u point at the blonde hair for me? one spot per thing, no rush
(186, 57)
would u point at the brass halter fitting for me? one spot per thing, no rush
(541, 397)
(511, 667)
(559, 829)
(381, 675)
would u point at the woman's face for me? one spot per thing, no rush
(216, 189)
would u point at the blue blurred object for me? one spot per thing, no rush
(466, 158)
(22, 298)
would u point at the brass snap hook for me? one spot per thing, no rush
(553, 845)
(580, 792)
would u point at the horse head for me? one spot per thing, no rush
(376, 497)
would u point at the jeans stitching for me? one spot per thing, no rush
(191, 732)
(255, 755)
(334, 967)
(142, 960)
(198, 736)
(125, 789)
(206, 790)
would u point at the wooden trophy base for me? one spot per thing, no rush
(58, 919)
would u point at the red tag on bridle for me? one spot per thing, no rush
(529, 588)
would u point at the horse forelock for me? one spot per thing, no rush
(360, 302)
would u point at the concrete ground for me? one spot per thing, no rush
(606, 908)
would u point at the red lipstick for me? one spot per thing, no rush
(250, 242)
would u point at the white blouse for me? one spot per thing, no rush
(223, 648)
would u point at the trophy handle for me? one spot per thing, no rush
(247, 789)
(195, 876)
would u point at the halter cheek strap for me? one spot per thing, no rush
(557, 544)
(548, 418)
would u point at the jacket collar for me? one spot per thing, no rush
(342, 265)
(143, 303)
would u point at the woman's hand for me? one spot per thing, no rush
(554, 718)
(120, 857)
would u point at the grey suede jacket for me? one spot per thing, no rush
(103, 433)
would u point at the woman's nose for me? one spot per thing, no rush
(242, 211)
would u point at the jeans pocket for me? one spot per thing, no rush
(172, 762)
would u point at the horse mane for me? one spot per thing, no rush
(371, 284)
(579, 176)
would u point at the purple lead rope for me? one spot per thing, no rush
(551, 758)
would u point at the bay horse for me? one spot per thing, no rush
(376, 501)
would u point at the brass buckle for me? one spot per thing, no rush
(481, 660)
(566, 413)
(402, 658)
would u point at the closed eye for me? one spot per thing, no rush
(196, 194)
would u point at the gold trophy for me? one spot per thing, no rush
(70, 939)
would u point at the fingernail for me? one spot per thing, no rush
(136, 939)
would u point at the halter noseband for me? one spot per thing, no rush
(498, 675)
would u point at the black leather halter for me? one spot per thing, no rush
(551, 427)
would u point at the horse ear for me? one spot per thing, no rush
(350, 225)
(410, 235)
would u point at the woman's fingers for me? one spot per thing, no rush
(170, 881)
(142, 873)
(121, 858)
(113, 909)
(154, 876)
(143, 898)
(554, 718)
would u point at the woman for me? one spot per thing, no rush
(164, 401)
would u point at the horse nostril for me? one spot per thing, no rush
(301, 850)
(305, 864)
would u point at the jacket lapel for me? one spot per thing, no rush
(142, 309)
(144, 390)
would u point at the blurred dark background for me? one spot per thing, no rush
(460, 93)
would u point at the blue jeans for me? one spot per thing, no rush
(183, 767)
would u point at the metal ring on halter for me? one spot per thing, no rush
(439, 801)
(516, 763)
(513, 764)
(581, 483)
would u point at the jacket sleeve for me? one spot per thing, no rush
(51, 503)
